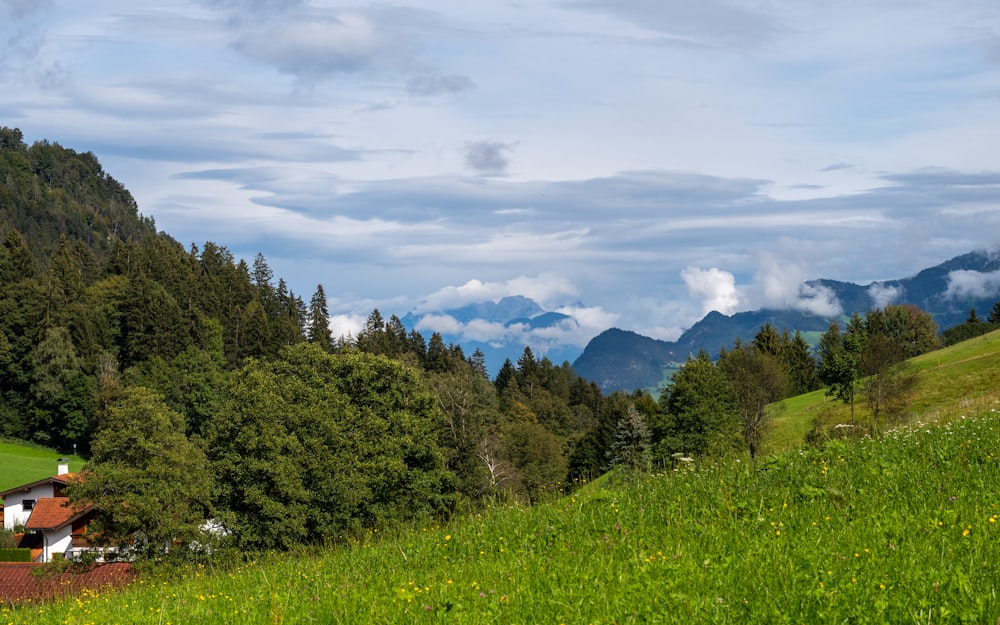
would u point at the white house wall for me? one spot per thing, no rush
(13, 508)
(57, 541)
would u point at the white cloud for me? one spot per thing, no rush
(590, 317)
(780, 284)
(346, 325)
(818, 300)
(967, 283)
(445, 324)
(319, 44)
(485, 331)
(714, 287)
(884, 294)
(547, 290)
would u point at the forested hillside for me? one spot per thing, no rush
(110, 329)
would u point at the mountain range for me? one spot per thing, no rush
(619, 359)
(495, 327)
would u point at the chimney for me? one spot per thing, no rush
(62, 467)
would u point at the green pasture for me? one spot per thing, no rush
(23, 463)
(952, 381)
(903, 529)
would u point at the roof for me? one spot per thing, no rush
(52, 513)
(55, 479)
(35, 542)
(24, 581)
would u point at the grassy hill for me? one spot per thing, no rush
(22, 463)
(952, 382)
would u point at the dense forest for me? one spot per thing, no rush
(200, 384)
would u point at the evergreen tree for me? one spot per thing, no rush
(505, 376)
(633, 436)
(18, 263)
(697, 412)
(801, 366)
(478, 362)
(318, 331)
(261, 274)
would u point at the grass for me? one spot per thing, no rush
(901, 529)
(23, 463)
(952, 381)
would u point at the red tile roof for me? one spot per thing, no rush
(24, 581)
(51, 513)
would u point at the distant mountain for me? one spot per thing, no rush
(503, 311)
(516, 318)
(620, 360)
(933, 289)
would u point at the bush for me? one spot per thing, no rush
(15, 555)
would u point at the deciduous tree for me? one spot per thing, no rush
(149, 485)
(757, 379)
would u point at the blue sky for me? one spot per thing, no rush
(632, 163)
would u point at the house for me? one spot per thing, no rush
(52, 525)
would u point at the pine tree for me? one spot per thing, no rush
(630, 448)
(319, 320)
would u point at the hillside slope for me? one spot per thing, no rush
(952, 382)
(48, 191)
(23, 463)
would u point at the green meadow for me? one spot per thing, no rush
(900, 529)
(951, 382)
(22, 463)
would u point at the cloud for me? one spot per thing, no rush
(818, 300)
(445, 324)
(695, 22)
(582, 324)
(429, 85)
(485, 331)
(714, 287)
(318, 45)
(838, 166)
(965, 283)
(346, 325)
(488, 157)
(547, 290)
(780, 284)
(884, 294)
(18, 9)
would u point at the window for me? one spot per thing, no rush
(27, 504)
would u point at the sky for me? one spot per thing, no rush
(629, 163)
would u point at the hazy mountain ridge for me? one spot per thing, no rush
(619, 360)
(505, 314)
